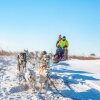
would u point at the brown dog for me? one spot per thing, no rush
(43, 76)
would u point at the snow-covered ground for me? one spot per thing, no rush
(73, 79)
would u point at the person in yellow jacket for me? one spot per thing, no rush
(59, 39)
(64, 44)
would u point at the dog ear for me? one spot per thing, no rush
(42, 65)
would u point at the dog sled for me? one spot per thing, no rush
(61, 55)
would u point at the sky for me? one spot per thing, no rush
(36, 24)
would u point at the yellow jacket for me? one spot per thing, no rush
(63, 43)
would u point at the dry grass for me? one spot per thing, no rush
(84, 57)
(7, 53)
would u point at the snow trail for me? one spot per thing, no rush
(74, 80)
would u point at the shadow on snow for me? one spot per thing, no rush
(19, 89)
(90, 94)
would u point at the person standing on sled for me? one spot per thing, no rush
(59, 39)
(59, 50)
(63, 43)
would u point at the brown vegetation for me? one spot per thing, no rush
(84, 57)
(7, 53)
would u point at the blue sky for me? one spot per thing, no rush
(36, 24)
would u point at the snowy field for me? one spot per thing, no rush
(73, 79)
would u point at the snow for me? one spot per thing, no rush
(73, 79)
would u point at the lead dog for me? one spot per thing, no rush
(30, 77)
(43, 76)
(21, 65)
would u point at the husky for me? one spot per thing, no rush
(30, 77)
(21, 65)
(43, 76)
